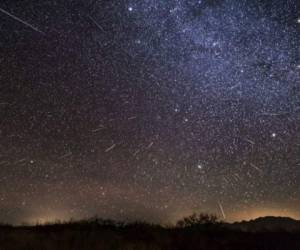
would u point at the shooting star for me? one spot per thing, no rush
(137, 151)
(250, 141)
(150, 145)
(21, 21)
(98, 129)
(65, 155)
(255, 167)
(96, 23)
(110, 148)
(132, 118)
(222, 210)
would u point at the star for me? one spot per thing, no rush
(199, 166)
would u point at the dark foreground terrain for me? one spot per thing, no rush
(108, 235)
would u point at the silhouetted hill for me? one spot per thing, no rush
(268, 223)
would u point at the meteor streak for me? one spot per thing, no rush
(21, 21)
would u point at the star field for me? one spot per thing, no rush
(149, 109)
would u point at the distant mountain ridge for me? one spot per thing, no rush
(268, 223)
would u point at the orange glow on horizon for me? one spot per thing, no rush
(262, 212)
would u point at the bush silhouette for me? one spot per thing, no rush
(197, 220)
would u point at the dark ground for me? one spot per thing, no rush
(141, 236)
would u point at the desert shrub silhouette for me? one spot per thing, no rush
(201, 219)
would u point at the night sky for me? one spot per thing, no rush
(149, 110)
